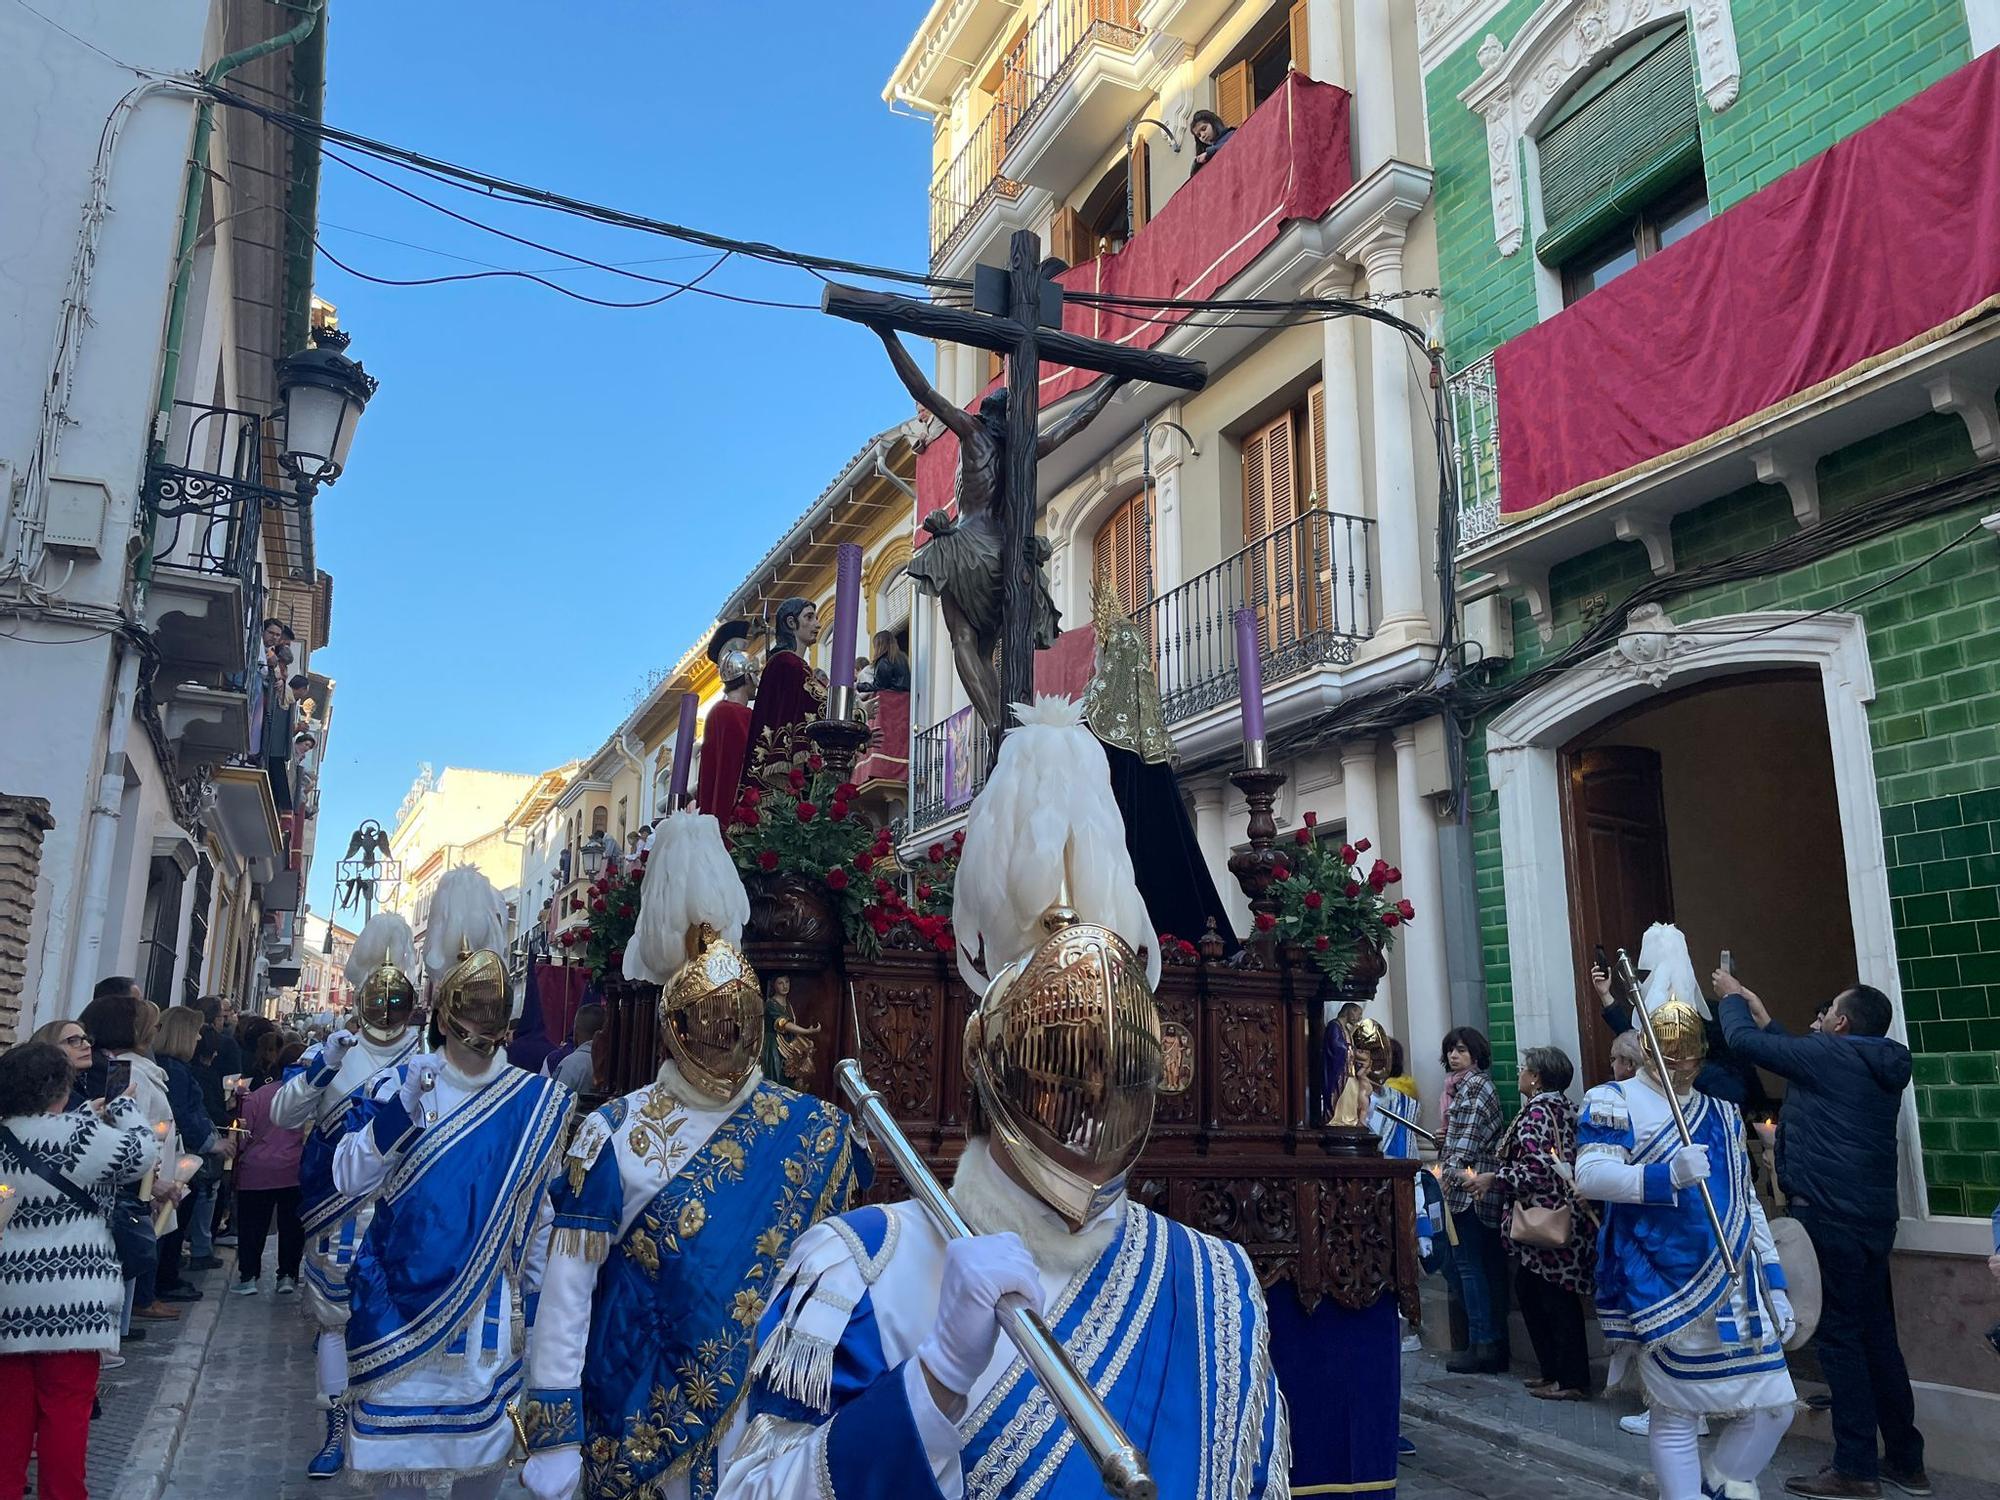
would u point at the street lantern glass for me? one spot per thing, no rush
(593, 856)
(324, 394)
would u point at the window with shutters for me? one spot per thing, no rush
(1121, 556)
(1286, 569)
(1621, 167)
(1106, 211)
(1257, 68)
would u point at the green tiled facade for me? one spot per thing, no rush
(1810, 76)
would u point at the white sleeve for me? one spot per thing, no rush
(296, 1104)
(773, 1459)
(562, 1322)
(358, 1164)
(535, 1262)
(1604, 1169)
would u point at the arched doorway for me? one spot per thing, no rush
(1712, 806)
(1654, 661)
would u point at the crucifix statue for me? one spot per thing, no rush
(988, 571)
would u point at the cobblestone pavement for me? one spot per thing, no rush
(1582, 1439)
(242, 1369)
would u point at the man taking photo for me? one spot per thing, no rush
(1837, 1164)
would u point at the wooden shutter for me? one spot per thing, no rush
(1301, 48)
(1069, 238)
(1316, 557)
(1120, 556)
(1232, 93)
(1140, 178)
(1270, 505)
(1629, 134)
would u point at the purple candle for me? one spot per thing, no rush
(846, 611)
(683, 753)
(1250, 682)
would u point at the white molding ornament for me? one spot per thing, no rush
(1520, 82)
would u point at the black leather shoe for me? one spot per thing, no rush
(1480, 1359)
(181, 1293)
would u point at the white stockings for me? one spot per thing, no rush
(331, 1359)
(1742, 1451)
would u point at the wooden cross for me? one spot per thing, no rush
(1021, 338)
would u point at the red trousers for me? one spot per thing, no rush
(45, 1410)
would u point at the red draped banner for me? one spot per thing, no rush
(1884, 241)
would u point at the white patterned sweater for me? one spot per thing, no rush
(60, 1286)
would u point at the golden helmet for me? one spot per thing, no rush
(385, 1003)
(712, 1015)
(1064, 1052)
(475, 1002)
(1683, 1042)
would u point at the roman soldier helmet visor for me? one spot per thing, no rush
(475, 1003)
(385, 1003)
(1064, 1052)
(712, 1016)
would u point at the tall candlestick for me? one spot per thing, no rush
(683, 754)
(846, 610)
(1250, 683)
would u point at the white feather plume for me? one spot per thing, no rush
(385, 939)
(1669, 969)
(466, 914)
(690, 879)
(1050, 795)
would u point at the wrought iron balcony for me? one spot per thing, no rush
(1474, 410)
(947, 767)
(208, 503)
(1309, 582)
(971, 180)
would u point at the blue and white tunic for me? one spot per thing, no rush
(444, 1282)
(315, 1097)
(673, 1216)
(1166, 1323)
(1704, 1343)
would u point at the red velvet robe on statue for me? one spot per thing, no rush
(725, 739)
(790, 695)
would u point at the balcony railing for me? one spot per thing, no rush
(1029, 74)
(1310, 584)
(947, 767)
(1472, 402)
(1050, 46)
(969, 181)
(209, 502)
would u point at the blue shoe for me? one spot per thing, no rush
(1404, 1447)
(331, 1459)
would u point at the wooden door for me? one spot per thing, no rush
(1269, 581)
(1615, 834)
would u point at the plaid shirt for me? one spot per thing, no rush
(1472, 1130)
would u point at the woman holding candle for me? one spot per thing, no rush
(173, 1049)
(1471, 1123)
(61, 1292)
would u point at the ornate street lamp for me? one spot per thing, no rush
(324, 393)
(593, 856)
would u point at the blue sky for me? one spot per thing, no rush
(546, 499)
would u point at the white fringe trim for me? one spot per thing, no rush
(798, 1366)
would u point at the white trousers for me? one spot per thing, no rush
(1742, 1451)
(331, 1360)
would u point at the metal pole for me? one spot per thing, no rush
(1631, 979)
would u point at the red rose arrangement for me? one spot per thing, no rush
(911, 913)
(613, 910)
(1332, 900)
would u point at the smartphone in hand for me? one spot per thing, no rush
(117, 1078)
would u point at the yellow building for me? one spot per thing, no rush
(458, 818)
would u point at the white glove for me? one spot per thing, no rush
(336, 1045)
(977, 1274)
(552, 1473)
(1689, 1164)
(1782, 1314)
(416, 1083)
